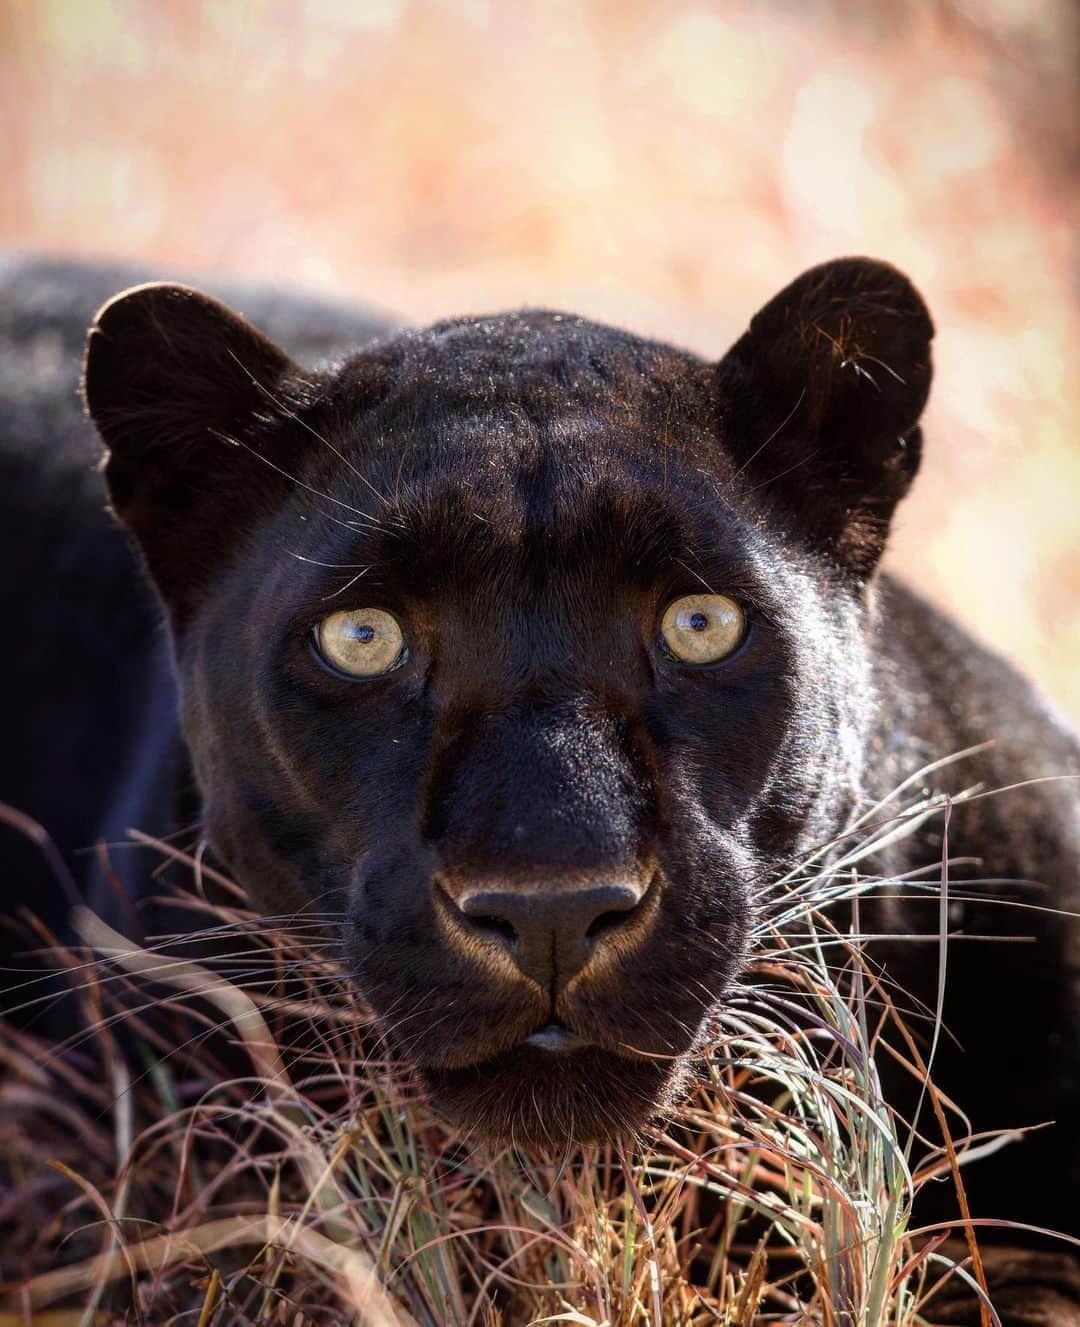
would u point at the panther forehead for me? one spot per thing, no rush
(498, 384)
(534, 344)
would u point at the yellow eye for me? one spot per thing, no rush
(702, 628)
(363, 642)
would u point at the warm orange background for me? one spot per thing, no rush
(667, 165)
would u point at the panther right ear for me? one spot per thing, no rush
(820, 402)
(191, 402)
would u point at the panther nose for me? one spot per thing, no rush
(551, 934)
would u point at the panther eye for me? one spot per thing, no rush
(702, 628)
(363, 642)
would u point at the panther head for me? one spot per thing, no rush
(526, 651)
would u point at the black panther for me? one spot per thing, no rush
(532, 652)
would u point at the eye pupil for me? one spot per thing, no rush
(698, 621)
(364, 634)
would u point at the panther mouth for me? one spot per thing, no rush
(556, 1038)
(558, 1079)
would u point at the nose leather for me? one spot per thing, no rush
(551, 933)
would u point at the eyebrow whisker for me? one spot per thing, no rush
(291, 414)
(326, 497)
(348, 584)
(333, 566)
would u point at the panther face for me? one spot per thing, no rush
(526, 651)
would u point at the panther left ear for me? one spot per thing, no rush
(820, 401)
(190, 399)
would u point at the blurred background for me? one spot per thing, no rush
(665, 165)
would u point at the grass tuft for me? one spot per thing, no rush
(224, 1141)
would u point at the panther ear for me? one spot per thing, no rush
(189, 400)
(820, 401)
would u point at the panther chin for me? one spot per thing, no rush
(553, 1090)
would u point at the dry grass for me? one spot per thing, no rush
(225, 1142)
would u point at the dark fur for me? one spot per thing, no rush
(526, 493)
